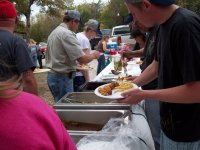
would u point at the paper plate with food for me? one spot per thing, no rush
(37, 70)
(84, 67)
(113, 90)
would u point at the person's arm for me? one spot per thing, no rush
(105, 47)
(86, 51)
(84, 72)
(88, 58)
(136, 53)
(148, 75)
(185, 94)
(86, 75)
(29, 82)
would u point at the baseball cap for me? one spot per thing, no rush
(73, 14)
(7, 10)
(159, 2)
(93, 24)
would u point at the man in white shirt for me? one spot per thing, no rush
(90, 31)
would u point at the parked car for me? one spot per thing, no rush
(43, 46)
(106, 32)
(124, 32)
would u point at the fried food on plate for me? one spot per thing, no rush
(107, 89)
(114, 87)
(123, 86)
(83, 66)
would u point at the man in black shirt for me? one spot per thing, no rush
(148, 54)
(177, 67)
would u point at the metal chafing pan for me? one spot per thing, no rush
(87, 100)
(82, 122)
(90, 116)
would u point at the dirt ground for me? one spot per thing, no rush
(43, 89)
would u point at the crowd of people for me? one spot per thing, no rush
(168, 37)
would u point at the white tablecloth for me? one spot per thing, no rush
(140, 121)
(132, 69)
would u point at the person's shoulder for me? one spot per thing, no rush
(182, 20)
(186, 17)
(62, 30)
(79, 34)
(19, 40)
(34, 100)
(31, 96)
(33, 104)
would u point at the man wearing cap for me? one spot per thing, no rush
(13, 50)
(177, 67)
(63, 50)
(91, 28)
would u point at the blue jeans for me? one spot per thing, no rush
(34, 58)
(168, 144)
(101, 64)
(59, 85)
(152, 110)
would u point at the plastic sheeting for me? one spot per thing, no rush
(120, 134)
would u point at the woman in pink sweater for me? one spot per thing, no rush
(27, 122)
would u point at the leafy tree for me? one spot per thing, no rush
(113, 14)
(43, 25)
(193, 5)
(90, 11)
(50, 6)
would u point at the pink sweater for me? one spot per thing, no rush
(28, 123)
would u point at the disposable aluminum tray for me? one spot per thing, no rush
(77, 135)
(85, 117)
(88, 120)
(87, 100)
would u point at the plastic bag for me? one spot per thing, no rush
(117, 134)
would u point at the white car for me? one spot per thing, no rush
(124, 32)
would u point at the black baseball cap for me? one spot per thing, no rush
(130, 18)
(159, 2)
